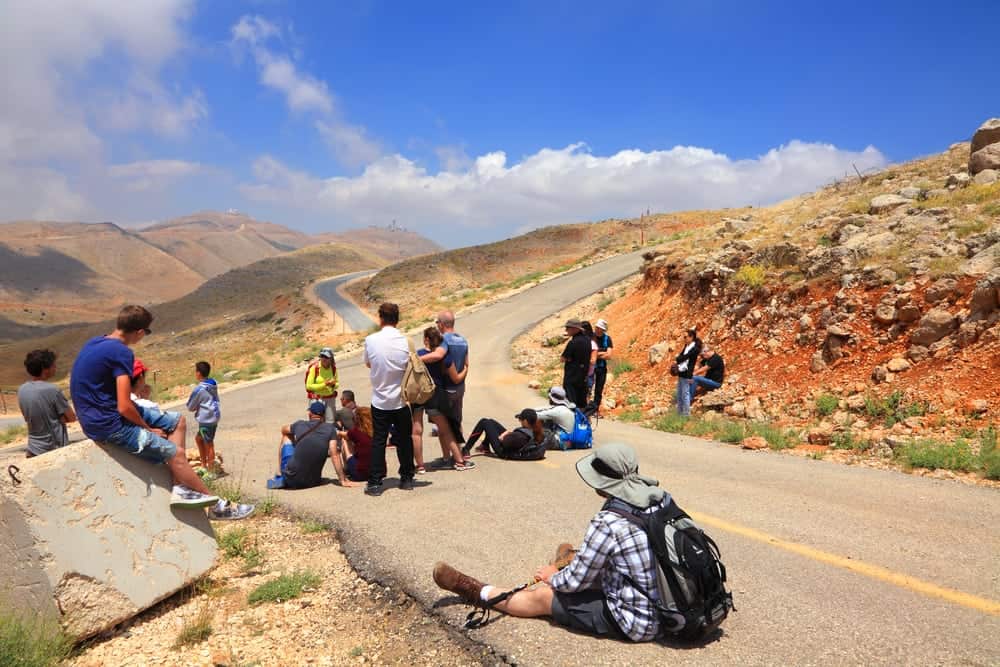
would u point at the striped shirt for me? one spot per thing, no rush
(613, 546)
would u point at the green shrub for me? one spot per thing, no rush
(622, 366)
(893, 408)
(671, 423)
(989, 454)
(846, 440)
(285, 587)
(934, 454)
(268, 504)
(233, 542)
(310, 526)
(553, 341)
(700, 427)
(630, 416)
(731, 432)
(12, 433)
(750, 275)
(30, 640)
(633, 400)
(257, 367)
(826, 404)
(777, 438)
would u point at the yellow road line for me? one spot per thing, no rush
(984, 605)
(549, 464)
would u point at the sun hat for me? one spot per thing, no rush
(574, 324)
(601, 324)
(614, 470)
(326, 352)
(557, 395)
(138, 368)
(527, 415)
(317, 408)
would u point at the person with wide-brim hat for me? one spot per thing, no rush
(608, 586)
(576, 362)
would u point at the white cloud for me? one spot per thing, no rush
(555, 185)
(350, 143)
(69, 69)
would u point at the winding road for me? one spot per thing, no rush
(829, 564)
(329, 292)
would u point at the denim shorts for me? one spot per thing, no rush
(161, 419)
(144, 444)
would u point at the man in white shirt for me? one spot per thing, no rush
(386, 353)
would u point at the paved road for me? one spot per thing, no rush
(826, 561)
(8, 421)
(328, 290)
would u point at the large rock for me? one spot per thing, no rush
(658, 352)
(941, 290)
(986, 296)
(987, 177)
(934, 326)
(988, 133)
(883, 203)
(985, 158)
(89, 536)
(959, 180)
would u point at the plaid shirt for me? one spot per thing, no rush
(613, 546)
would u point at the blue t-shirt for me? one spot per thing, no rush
(457, 350)
(93, 385)
(436, 370)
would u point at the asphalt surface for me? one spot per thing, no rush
(826, 561)
(329, 292)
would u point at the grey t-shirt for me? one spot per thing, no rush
(42, 405)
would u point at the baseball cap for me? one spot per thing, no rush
(138, 368)
(317, 408)
(527, 415)
(601, 324)
(326, 352)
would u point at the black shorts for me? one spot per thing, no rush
(585, 611)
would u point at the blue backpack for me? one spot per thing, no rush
(582, 435)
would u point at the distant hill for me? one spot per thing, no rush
(57, 273)
(392, 245)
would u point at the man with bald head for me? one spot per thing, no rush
(453, 350)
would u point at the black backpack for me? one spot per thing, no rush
(530, 451)
(691, 579)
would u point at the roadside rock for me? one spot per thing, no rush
(985, 158)
(967, 334)
(880, 374)
(885, 314)
(987, 177)
(911, 193)
(534, 384)
(945, 288)
(917, 353)
(715, 400)
(754, 442)
(959, 180)
(820, 435)
(934, 326)
(898, 365)
(908, 314)
(883, 203)
(658, 352)
(988, 133)
(980, 406)
(986, 295)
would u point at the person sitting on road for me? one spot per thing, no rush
(345, 415)
(304, 448)
(439, 408)
(560, 412)
(505, 444)
(609, 587)
(101, 387)
(43, 406)
(710, 372)
(358, 443)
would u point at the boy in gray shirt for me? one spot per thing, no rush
(43, 406)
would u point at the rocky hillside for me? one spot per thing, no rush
(864, 317)
(389, 243)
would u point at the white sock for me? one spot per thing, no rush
(486, 593)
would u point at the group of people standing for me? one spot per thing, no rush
(585, 363)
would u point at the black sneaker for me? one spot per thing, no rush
(373, 490)
(406, 484)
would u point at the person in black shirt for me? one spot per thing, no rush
(314, 440)
(576, 363)
(685, 371)
(710, 372)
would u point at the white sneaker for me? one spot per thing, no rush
(227, 511)
(186, 498)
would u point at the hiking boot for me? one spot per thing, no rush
(462, 585)
(373, 490)
(564, 555)
(406, 484)
(185, 498)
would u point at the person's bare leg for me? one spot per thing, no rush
(418, 437)
(448, 444)
(529, 603)
(338, 465)
(180, 469)
(198, 440)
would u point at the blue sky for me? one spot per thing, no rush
(471, 121)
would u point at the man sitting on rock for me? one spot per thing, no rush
(710, 373)
(609, 586)
(305, 446)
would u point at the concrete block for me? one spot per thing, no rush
(89, 536)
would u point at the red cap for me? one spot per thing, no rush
(138, 368)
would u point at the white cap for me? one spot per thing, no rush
(601, 324)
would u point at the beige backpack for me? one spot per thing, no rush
(418, 385)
